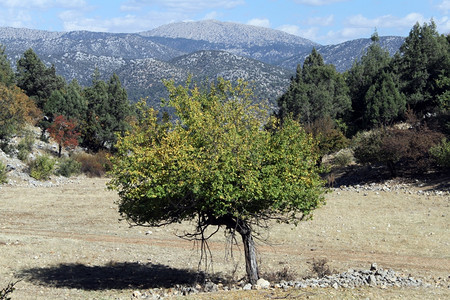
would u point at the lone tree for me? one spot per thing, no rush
(218, 165)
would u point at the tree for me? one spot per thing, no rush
(108, 110)
(424, 56)
(318, 91)
(217, 165)
(16, 110)
(6, 72)
(63, 132)
(374, 89)
(68, 102)
(37, 81)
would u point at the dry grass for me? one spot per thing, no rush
(67, 243)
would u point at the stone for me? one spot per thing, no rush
(247, 287)
(262, 283)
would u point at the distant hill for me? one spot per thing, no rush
(205, 49)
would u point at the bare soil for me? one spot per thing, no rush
(67, 242)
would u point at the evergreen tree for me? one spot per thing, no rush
(108, 109)
(365, 79)
(383, 101)
(37, 81)
(423, 58)
(6, 72)
(68, 102)
(318, 91)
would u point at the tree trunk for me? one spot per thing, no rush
(59, 150)
(250, 252)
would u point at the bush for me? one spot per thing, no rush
(25, 146)
(42, 167)
(329, 136)
(441, 154)
(69, 167)
(7, 147)
(407, 148)
(285, 274)
(320, 267)
(342, 158)
(93, 165)
(3, 177)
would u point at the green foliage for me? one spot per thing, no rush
(42, 167)
(318, 91)
(374, 89)
(330, 138)
(6, 72)
(107, 115)
(218, 155)
(343, 158)
(69, 102)
(3, 176)
(25, 146)
(35, 79)
(424, 57)
(68, 167)
(441, 154)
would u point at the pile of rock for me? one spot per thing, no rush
(351, 279)
(392, 186)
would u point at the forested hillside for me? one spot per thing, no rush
(359, 108)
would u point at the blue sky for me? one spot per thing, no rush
(322, 21)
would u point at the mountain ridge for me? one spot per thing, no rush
(206, 49)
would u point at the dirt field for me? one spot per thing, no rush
(67, 242)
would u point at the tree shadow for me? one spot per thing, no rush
(111, 276)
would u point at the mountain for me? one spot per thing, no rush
(343, 55)
(206, 49)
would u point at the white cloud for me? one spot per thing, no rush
(73, 20)
(259, 22)
(12, 18)
(322, 21)
(186, 6)
(211, 15)
(42, 4)
(443, 25)
(317, 2)
(444, 6)
(387, 21)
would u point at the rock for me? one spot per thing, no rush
(262, 283)
(373, 267)
(211, 287)
(247, 287)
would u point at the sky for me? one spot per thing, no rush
(322, 21)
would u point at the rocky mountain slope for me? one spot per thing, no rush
(205, 49)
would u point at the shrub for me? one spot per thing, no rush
(320, 267)
(329, 136)
(93, 165)
(441, 154)
(25, 146)
(397, 148)
(7, 147)
(285, 274)
(3, 177)
(69, 167)
(42, 167)
(342, 158)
